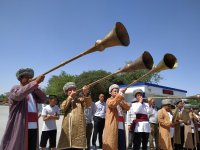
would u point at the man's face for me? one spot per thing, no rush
(153, 103)
(25, 79)
(139, 96)
(69, 91)
(180, 105)
(52, 102)
(101, 98)
(114, 92)
(168, 107)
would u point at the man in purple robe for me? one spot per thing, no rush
(22, 127)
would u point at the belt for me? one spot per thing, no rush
(120, 119)
(32, 117)
(154, 123)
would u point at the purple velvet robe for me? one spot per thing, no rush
(16, 133)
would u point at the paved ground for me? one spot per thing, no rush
(4, 117)
(4, 111)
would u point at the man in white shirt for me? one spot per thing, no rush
(50, 113)
(99, 120)
(130, 117)
(140, 125)
(153, 120)
(89, 113)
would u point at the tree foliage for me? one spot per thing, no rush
(56, 83)
(88, 77)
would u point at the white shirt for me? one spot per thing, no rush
(120, 114)
(130, 115)
(171, 128)
(142, 108)
(32, 108)
(192, 126)
(100, 109)
(50, 124)
(89, 113)
(153, 116)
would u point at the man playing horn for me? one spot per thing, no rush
(165, 121)
(140, 126)
(114, 131)
(22, 128)
(73, 132)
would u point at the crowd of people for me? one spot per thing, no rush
(173, 126)
(176, 125)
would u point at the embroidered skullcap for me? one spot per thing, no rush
(24, 71)
(166, 102)
(137, 91)
(68, 85)
(113, 86)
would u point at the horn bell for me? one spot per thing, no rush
(169, 62)
(118, 36)
(145, 61)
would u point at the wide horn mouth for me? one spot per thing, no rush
(148, 60)
(170, 61)
(122, 34)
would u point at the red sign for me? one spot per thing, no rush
(169, 92)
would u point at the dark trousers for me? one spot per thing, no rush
(153, 135)
(121, 140)
(98, 129)
(32, 139)
(180, 146)
(140, 137)
(89, 127)
(130, 139)
(198, 143)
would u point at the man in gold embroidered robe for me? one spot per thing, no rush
(73, 132)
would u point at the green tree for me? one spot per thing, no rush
(86, 78)
(56, 83)
(127, 78)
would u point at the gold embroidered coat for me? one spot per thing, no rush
(73, 132)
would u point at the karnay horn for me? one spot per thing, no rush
(169, 62)
(145, 61)
(195, 97)
(118, 36)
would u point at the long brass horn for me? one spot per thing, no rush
(145, 61)
(169, 61)
(195, 97)
(117, 37)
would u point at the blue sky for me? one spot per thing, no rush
(44, 33)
